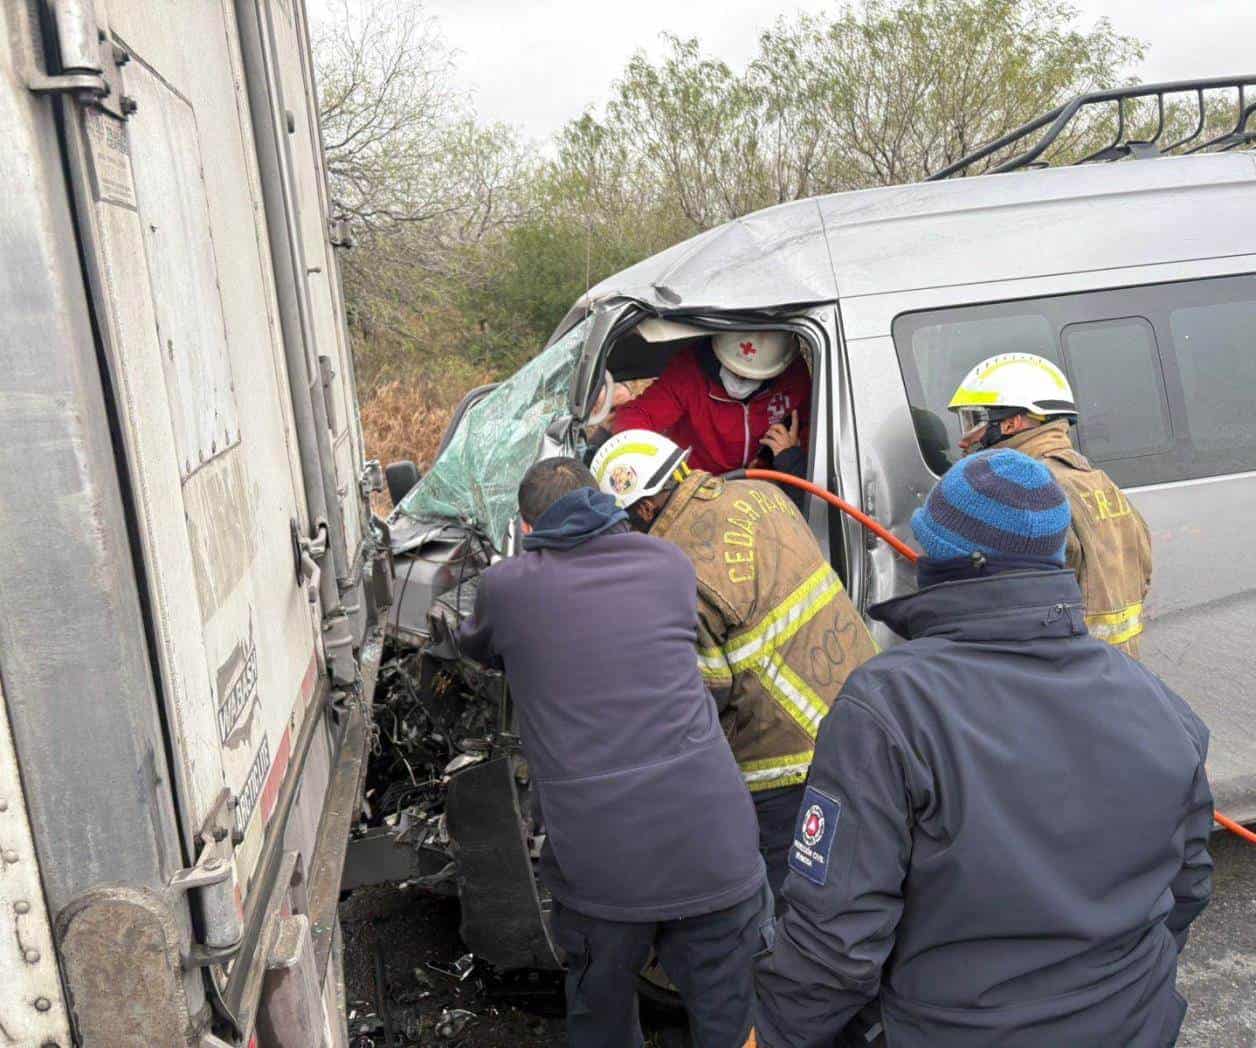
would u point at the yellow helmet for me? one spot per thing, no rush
(1016, 382)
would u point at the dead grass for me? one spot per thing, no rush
(405, 419)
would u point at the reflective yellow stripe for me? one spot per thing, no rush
(757, 651)
(619, 452)
(791, 692)
(778, 782)
(1116, 627)
(1116, 618)
(715, 676)
(972, 398)
(778, 626)
(713, 666)
(772, 773)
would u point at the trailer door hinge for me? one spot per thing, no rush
(371, 479)
(211, 883)
(340, 233)
(89, 61)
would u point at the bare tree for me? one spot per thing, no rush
(417, 177)
(387, 105)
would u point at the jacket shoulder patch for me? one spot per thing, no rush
(814, 834)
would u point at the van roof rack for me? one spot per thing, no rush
(1056, 121)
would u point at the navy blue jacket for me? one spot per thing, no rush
(646, 814)
(1004, 836)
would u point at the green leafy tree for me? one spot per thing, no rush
(881, 94)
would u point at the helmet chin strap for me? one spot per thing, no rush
(636, 519)
(993, 434)
(994, 428)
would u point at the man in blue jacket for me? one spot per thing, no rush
(651, 837)
(1005, 833)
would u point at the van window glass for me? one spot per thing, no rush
(944, 353)
(1116, 377)
(1165, 374)
(475, 479)
(1215, 346)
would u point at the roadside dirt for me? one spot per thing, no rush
(402, 933)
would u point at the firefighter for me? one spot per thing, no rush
(650, 838)
(742, 398)
(1004, 837)
(777, 634)
(1024, 403)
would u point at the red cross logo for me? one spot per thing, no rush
(748, 349)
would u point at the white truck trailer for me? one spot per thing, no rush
(189, 588)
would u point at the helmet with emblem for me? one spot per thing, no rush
(1010, 384)
(637, 463)
(757, 355)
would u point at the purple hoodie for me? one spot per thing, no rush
(646, 813)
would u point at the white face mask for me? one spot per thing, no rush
(737, 387)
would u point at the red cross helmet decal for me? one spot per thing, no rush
(748, 349)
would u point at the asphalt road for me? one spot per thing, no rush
(1217, 972)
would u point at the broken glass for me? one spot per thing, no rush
(475, 480)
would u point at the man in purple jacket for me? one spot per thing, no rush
(651, 838)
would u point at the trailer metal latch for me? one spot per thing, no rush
(308, 552)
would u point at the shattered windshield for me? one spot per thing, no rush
(476, 478)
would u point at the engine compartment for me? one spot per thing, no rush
(447, 782)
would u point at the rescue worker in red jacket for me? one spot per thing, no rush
(741, 399)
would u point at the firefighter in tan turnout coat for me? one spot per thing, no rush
(778, 634)
(1023, 402)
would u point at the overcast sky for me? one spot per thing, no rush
(538, 63)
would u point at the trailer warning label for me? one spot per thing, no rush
(254, 782)
(239, 692)
(110, 152)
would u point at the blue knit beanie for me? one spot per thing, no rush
(998, 503)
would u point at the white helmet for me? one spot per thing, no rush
(1012, 382)
(754, 354)
(637, 463)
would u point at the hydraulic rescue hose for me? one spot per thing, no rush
(905, 551)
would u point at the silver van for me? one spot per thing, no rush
(1138, 278)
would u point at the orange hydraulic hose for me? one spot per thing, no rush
(1226, 822)
(904, 550)
(883, 533)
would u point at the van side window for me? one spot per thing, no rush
(1115, 371)
(1165, 374)
(1215, 347)
(942, 349)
